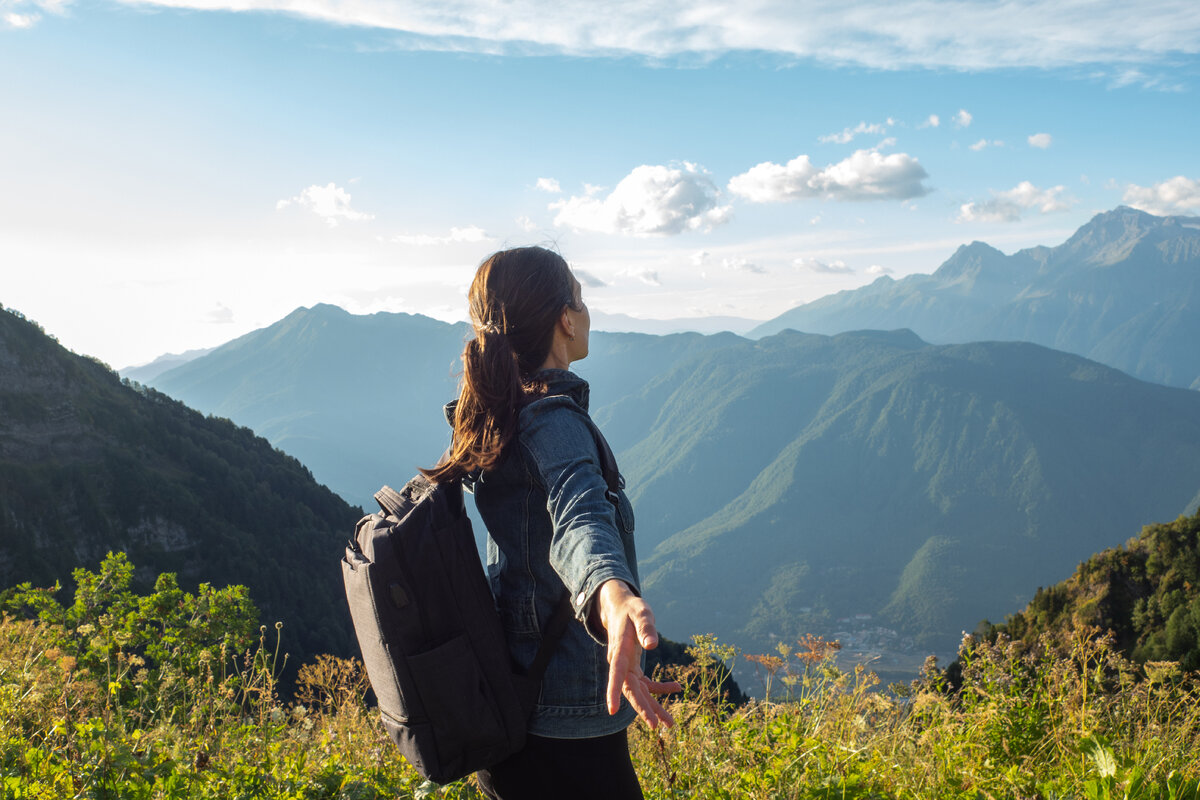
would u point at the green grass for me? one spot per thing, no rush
(114, 697)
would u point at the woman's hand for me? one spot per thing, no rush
(630, 627)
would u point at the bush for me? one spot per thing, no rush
(170, 695)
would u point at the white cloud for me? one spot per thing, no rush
(887, 34)
(877, 270)
(587, 279)
(221, 315)
(526, 224)
(649, 201)
(742, 265)
(646, 276)
(19, 21)
(848, 134)
(471, 233)
(827, 268)
(549, 185)
(1132, 76)
(932, 122)
(982, 143)
(1042, 141)
(699, 258)
(864, 175)
(963, 118)
(1009, 205)
(1179, 195)
(24, 14)
(330, 203)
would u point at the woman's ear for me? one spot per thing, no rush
(566, 324)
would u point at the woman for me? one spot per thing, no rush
(524, 443)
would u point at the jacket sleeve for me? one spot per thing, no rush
(585, 548)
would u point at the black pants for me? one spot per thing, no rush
(572, 769)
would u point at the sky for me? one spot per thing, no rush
(176, 173)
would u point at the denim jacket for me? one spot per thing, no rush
(550, 525)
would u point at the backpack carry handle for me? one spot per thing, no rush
(391, 501)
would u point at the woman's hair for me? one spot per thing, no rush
(516, 300)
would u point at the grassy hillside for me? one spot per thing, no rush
(169, 696)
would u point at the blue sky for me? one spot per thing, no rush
(174, 174)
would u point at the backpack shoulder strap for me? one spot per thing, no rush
(556, 626)
(608, 463)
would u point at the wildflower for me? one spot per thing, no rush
(1162, 671)
(814, 649)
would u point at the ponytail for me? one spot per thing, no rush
(515, 302)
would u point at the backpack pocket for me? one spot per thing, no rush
(458, 702)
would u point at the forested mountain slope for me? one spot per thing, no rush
(792, 484)
(1147, 592)
(89, 465)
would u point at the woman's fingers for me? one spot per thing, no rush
(639, 693)
(643, 619)
(667, 687)
(623, 652)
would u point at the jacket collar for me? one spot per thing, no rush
(565, 382)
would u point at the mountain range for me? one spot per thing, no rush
(810, 483)
(798, 483)
(865, 485)
(1124, 290)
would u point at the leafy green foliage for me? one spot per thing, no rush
(1146, 592)
(1029, 719)
(171, 695)
(150, 650)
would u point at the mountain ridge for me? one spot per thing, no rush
(89, 465)
(1124, 289)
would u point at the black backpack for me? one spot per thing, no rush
(430, 635)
